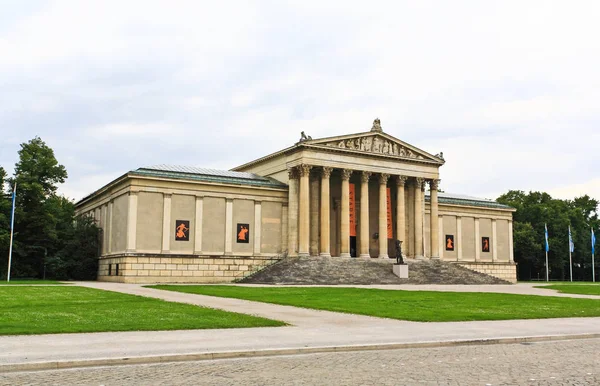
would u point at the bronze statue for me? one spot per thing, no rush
(399, 259)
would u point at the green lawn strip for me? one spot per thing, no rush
(421, 306)
(580, 289)
(32, 282)
(48, 310)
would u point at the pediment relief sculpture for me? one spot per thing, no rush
(375, 144)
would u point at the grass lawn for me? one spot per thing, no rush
(48, 310)
(31, 282)
(582, 289)
(421, 306)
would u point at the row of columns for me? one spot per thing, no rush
(299, 204)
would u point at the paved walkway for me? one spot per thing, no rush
(571, 362)
(309, 329)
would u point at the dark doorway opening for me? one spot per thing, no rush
(353, 246)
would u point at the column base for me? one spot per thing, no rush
(303, 254)
(345, 255)
(420, 257)
(383, 256)
(365, 256)
(325, 254)
(435, 257)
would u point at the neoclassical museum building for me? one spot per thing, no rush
(350, 196)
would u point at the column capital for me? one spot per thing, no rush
(346, 173)
(364, 176)
(326, 172)
(401, 180)
(304, 170)
(383, 178)
(434, 184)
(292, 173)
(420, 183)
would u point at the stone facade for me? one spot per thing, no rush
(178, 269)
(347, 196)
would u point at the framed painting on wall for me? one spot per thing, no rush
(243, 233)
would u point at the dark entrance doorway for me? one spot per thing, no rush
(353, 246)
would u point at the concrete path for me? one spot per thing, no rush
(320, 331)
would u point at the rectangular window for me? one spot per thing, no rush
(109, 269)
(116, 269)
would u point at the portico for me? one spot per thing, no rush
(348, 195)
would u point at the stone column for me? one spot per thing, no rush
(511, 253)
(198, 222)
(284, 228)
(434, 218)
(383, 240)
(477, 241)
(325, 213)
(314, 216)
(257, 226)
(458, 240)
(418, 219)
(166, 234)
(228, 226)
(345, 220)
(401, 211)
(442, 241)
(304, 212)
(110, 227)
(132, 221)
(292, 239)
(494, 241)
(364, 215)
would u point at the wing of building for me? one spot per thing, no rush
(350, 196)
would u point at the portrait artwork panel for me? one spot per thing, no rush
(182, 230)
(485, 244)
(449, 242)
(243, 233)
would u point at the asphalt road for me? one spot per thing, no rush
(572, 362)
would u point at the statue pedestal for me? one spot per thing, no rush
(400, 270)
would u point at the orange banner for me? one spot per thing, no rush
(352, 210)
(390, 231)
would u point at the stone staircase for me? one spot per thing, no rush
(340, 270)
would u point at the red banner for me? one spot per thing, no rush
(352, 210)
(390, 231)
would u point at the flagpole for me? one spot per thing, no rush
(593, 250)
(546, 265)
(547, 248)
(570, 265)
(12, 229)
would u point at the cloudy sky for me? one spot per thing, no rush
(508, 90)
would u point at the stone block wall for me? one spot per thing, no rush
(178, 268)
(504, 271)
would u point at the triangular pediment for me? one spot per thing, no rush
(373, 143)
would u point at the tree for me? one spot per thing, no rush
(37, 174)
(78, 258)
(535, 210)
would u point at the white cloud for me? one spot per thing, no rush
(508, 90)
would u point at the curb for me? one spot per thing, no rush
(156, 359)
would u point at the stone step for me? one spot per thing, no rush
(341, 270)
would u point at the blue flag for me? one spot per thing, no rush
(593, 241)
(571, 245)
(546, 235)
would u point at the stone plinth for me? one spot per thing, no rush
(400, 270)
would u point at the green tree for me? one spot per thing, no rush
(534, 211)
(37, 174)
(78, 258)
